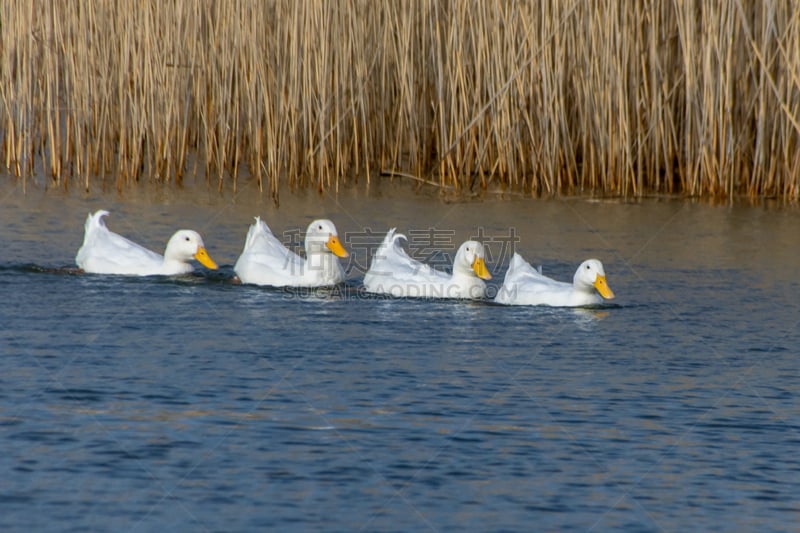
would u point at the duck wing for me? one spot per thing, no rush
(105, 252)
(266, 260)
(391, 264)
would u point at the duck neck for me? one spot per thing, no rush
(322, 265)
(173, 265)
(459, 272)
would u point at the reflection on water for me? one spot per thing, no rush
(587, 318)
(198, 403)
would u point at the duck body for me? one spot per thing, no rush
(105, 252)
(394, 273)
(266, 261)
(524, 285)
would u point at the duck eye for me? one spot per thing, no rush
(319, 227)
(187, 238)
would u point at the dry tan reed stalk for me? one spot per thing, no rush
(697, 97)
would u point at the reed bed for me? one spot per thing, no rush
(694, 97)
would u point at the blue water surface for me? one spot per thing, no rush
(198, 404)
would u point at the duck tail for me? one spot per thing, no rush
(94, 223)
(392, 237)
(252, 231)
(262, 226)
(387, 246)
(256, 229)
(515, 263)
(95, 220)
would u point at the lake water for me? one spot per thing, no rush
(198, 404)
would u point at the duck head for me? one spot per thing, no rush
(590, 275)
(470, 260)
(186, 245)
(322, 237)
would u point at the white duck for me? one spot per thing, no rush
(266, 261)
(393, 272)
(105, 252)
(524, 285)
